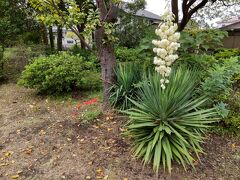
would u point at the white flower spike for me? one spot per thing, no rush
(166, 47)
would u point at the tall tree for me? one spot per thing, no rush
(14, 21)
(125, 29)
(51, 38)
(105, 48)
(190, 7)
(59, 38)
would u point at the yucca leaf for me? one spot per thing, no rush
(169, 124)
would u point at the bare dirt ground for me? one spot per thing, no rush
(40, 140)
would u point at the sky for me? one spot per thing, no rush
(156, 6)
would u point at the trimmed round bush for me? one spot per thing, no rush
(60, 73)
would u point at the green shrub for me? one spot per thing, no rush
(200, 61)
(144, 60)
(218, 85)
(124, 54)
(233, 120)
(126, 86)
(59, 73)
(200, 41)
(86, 54)
(168, 125)
(223, 53)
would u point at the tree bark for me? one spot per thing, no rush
(108, 63)
(1, 57)
(105, 53)
(51, 39)
(174, 4)
(59, 38)
(80, 30)
(44, 35)
(188, 10)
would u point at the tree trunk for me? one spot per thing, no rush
(44, 34)
(1, 57)
(188, 9)
(106, 50)
(80, 30)
(59, 38)
(108, 63)
(174, 4)
(50, 30)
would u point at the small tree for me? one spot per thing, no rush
(97, 17)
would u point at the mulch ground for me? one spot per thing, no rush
(41, 140)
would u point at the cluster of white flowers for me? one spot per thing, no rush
(166, 47)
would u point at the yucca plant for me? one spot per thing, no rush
(126, 86)
(168, 125)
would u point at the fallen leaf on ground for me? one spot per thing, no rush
(99, 170)
(106, 177)
(234, 146)
(15, 176)
(88, 177)
(109, 129)
(4, 164)
(8, 153)
(42, 132)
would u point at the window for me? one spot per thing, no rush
(69, 42)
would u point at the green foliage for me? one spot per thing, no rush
(223, 53)
(128, 77)
(200, 61)
(67, 13)
(59, 73)
(168, 124)
(136, 55)
(131, 29)
(15, 20)
(145, 44)
(86, 54)
(75, 49)
(222, 109)
(218, 85)
(233, 120)
(31, 37)
(90, 114)
(124, 54)
(199, 41)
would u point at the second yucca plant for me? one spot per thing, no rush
(168, 124)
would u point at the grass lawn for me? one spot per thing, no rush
(40, 139)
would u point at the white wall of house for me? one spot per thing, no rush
(67, 41)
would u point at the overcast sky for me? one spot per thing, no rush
(156, 6)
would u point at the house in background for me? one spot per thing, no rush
(232, 26)
(69, 38)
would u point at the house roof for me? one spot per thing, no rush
(233, 26)
(147, 14)
(140, 12)
(230, 24)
